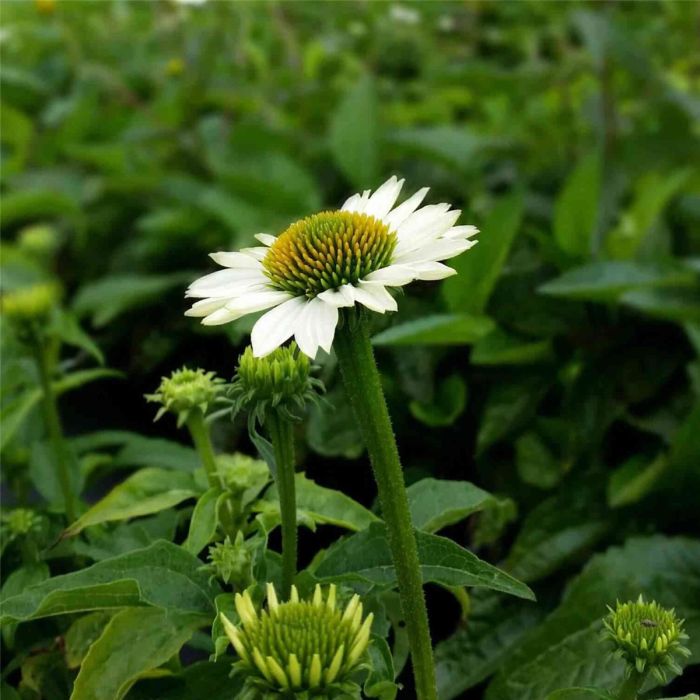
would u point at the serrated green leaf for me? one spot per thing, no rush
(145, 492)
(365, 556)
(437, 503)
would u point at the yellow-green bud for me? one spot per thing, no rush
(300, 645)
(232, 562)
(38, 240)
(22, 521)
(646, 636)
(32, 304)
(186, 390)
(280, 381)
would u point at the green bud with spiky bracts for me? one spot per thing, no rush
(280, 381)
(186, 390)
(232, 562)
(30, 308)
(299, 648)
(647, 636)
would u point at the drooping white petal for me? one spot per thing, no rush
(265, 238)
(228, 282)
(315, 327)
(375, 297)
(397, 216)
(341, 297)
(384, 198)
(433, 271)
(204, 307)
(461, 232)
(256, 301)
(237, 260)
(219, 317)
(420, 229)
(442, 249)
(392, 275)
(276, 326)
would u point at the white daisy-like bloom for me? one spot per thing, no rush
(329, 261)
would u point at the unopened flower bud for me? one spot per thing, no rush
(30, 305)
(646, 636)
(299, 645)
(186, 390)
(232, 561)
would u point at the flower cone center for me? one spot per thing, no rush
(327, 250)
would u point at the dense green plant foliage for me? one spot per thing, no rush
(546, 399)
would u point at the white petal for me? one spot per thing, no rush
(226, 283)
(351, 203)
(375, 297)
(276, 326)
(343, 296)
(257, 301)
(433, 271)
(397, 216)
(421, 227)
(327, 318)
(257, 252)
(219, 317)
(235, 260)
(204, 307)
(393, 275)
(384, 198)
(461, 232)
(265, 238)
(442, 249)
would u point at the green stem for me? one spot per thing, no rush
(364, 390)
(201, 438)
(282, 438)
(54, 428)
(632, 685)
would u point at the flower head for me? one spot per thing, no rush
(646, 636)
(185, 390)
(279, 381)
(300, 645)
(232, 561)
(328, 261)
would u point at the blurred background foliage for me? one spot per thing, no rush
(559, 369)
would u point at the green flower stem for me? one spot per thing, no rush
(632, 685)
(199, 431)
(282, 438)
(363, 386)
(54, 428)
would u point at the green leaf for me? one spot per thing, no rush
(478, 269)
(28, 205)
(495, 628)
(536, 464)
(508, 407)
(81, 634)
(162, 575)
(608, 281)
(556, 532)
(139, 450)
(448, 403)
(75, 380)
(134, 642)
(636, 478)
(653, 192)
(331, 429)
(318, 504)
(70, 332)
(16, 581)
(380, 680)
(365, 556)
(501, 348)
(203, 523)
(576, 209)
(354, 134)
(438, 329)
(580, 694)
(673, 304)
(437, 503)
(566, 650)
(145, 492)
(109, 297)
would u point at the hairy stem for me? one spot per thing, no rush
(363, 386)
(282, 438)
(54, 428)
(632, 685)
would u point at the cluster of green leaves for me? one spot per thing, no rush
(558, 370)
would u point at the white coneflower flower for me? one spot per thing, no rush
(331, 260)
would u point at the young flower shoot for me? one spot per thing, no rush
(328, 261)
